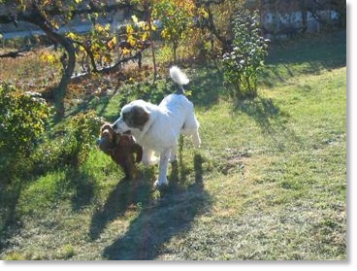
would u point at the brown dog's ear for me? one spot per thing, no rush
(102, 121)
(106, 126)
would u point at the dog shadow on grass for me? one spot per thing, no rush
(126, 193)
(171, 215)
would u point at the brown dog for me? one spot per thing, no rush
(121, 147)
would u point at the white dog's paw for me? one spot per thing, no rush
(162, 184)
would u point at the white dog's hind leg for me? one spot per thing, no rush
(190, 128)
(196, 139)
(195, 136)
(164, 162)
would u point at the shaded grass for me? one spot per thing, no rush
(310, 55)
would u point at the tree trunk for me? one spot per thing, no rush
(225, 40)
(304, 10)
(36, 18)
(175, 46)
(152, 43)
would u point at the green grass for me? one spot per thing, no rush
(269, 182)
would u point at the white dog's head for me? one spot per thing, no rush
(133, 117)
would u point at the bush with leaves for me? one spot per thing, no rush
(68, 144)
(84, 129)
(23, 119)
(242, 65)
(77, 138)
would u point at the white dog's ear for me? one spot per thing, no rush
(136, 117)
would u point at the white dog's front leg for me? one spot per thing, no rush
(164, 162)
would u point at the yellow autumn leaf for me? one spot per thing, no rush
(129, 29)
(144, 36)
(126, 51)
(49, 58)
(71, 36)
(107, 59)
(55, 24)
(135, 19)
(131, 41)
(99, 28)
(203, 13)
(111, 44)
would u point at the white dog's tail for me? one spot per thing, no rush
(178, 76)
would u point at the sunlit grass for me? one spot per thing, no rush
(269, 182)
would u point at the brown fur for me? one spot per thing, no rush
(122, 149)
(136, 118)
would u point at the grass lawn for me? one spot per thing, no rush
(269, 182)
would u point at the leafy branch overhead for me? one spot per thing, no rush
(49, 16)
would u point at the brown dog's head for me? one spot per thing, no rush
(118, 146)
(122, 148)
(107, 139)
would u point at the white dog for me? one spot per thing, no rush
(157, 127)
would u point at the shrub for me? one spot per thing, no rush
(242, 65)
(22, 119)
(22, 122)
(69, 144)
(81, 134)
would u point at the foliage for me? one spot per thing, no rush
(98, 45)
(23, 144)
(219, 21)
(242, 65)
(49, 16)
(176, 18)
(82, 130)
(70, 142)
(137, 33)
(23, 119)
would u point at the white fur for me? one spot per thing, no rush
(178, 76)
(174, 115)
